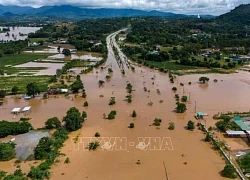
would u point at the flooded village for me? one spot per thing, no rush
(139, 146)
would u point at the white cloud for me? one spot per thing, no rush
(214, 7)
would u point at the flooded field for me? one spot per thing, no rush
(184, 153)
(73, 56)
(50, 67)
(15, 33)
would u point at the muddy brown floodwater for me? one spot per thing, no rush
(184, 153)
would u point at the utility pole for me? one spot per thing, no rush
(166, 173)
(189, 98)
(195, 106)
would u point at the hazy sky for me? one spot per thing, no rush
(214, 7)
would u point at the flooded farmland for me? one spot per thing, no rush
(184, 155)
(50, 67)
(18, 33)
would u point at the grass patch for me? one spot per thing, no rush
(38, 39)
(170, 65)
(23, 70)
(21, 82)
(35, 48)
(16, 59)
(204, 71)
(94, 54)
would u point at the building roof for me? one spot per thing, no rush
(235, 132)
(25, 109)
(15, 110)
(237, 118)
(242, 125)
(200, 114)
(64, 90)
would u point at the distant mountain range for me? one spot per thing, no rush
(67, 11)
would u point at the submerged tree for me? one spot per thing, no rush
(190, 125)
(73, 120)
(171, 126)
(76, 86)
(66, 52)
(229, 171)
(203, 79)
(101, 82)
(93, 145)
(131, 125)
(134, 114)
(181, 107)
(52, 123)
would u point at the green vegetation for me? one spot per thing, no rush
(2, 174)
(8, 62)
(73, 120)
(110, 70)
(13, 128)
(12, 47)
(129, 88)
(67, 161)
(17, 175)
(134, 114)
(203, 79)
(112, 101)
(21, 82)
(16, 59)
(184, 99)
(7, 151)
(14, 90)
(2, 94)
(190, 125)
(84, 115)
(177, 97)
(93, 145)
(38, 40)
(244, 163)
(24, 118)
(108, 77)
(86, 104)
(101, 82)
(129, 98)
(43, 148)
(174, 88)
(171, 126)
(32, 89)
(157, 122)
(47, 149)
(84, 95)
(66, 52)
(208, 137)
(229, 171)
(131, 125)
(227, 123)
(188, 43)
(52, 123)
(112, 115)
(76, 86)
(181, 107)
(97, 134)
(231, 115)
